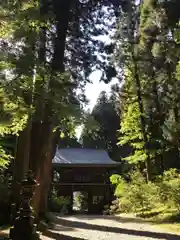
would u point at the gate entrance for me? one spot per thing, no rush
(87, 171)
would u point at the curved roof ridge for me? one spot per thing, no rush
(82, 156)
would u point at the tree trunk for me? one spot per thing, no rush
(159, 132)
(134, 27)
(172, 81)
(40, 163)
(21, 162)
(142, 120)
(42, 136)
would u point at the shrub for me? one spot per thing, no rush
(170, 189)
(136, 195)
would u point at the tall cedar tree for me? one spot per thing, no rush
(151, 81)
(51, 50)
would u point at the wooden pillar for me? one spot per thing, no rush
(90, 202)
(70, 207)
(111, 194)
(106, 195)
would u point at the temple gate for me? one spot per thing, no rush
(86, 170)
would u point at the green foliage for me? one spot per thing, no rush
(137, 195)
(170, 187)
(147, 49)
(132, 134)
(13, 119)
(46, 82)
(4, 158)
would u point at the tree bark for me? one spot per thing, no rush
(142, 120)
(42, 137)
(134, 27)
(40, 163)
(21, 162)
(159, 132)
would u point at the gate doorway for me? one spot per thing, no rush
(80, 202)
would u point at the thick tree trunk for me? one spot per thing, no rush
(142, 120)
(40, 163)
(172, 81)
(43, 139)
(21, 162)
(159, 132)
(133, 27)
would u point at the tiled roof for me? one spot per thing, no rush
(81, 156)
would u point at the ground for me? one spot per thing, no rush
(105, 228)
(85, 227)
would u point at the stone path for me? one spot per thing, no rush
(84, 227)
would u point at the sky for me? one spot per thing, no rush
(92, 92)
(96, 87)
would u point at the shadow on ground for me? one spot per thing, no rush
(119, 218)
(114, 218)
(70, 225)
(58, 236)
(129, 219)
